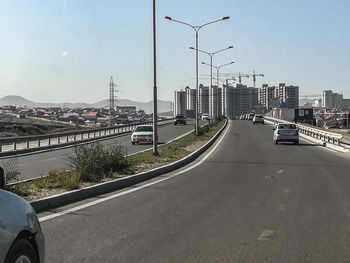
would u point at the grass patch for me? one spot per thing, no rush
(59, 180)
(92, 164)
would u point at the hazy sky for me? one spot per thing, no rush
(66, 50)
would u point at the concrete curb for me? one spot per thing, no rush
(103, 188)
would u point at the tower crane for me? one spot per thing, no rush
(254, 77)
(240, 76)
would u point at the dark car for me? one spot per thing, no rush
(21, 238)
(180, 119)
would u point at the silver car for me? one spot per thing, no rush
(285, 132)
(21, 238)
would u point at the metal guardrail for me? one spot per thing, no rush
(70, 137)
(329, 137)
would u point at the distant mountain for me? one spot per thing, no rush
(163, 106)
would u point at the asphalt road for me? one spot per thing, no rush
(249, 201)
(38, 164)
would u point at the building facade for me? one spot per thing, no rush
(237, 100)
(265, 94)
(216, 107)
(190, 98)
(180, 102)
(203, 99)
(332, 100)
(288, 96)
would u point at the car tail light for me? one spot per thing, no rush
(278, 132)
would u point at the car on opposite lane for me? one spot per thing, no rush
(285, 132)
(180, 119)
(21, 238)
(206, 117)
(142, 133)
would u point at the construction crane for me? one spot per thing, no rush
(254, 77)
(240, 76)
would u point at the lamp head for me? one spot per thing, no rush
(225, 17)
(230, 47)
(168, 17)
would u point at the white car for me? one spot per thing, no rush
(21, 238)
(285, 132)
(142, 133)
(205, 117)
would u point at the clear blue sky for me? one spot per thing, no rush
(66, 50)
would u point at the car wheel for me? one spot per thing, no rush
(133, 143)
(275, 142)
(21, 251)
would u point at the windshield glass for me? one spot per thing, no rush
(287, 126)
(144, 129)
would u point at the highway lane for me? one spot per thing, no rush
(250, 201)
(37, 164)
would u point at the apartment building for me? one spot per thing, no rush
(190, 99)
(216, 107)
(265, 94)
(203, 99)
(279, 96)
(332, 100)
(180, 102)
(237, 100)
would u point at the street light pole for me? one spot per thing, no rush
(211, 54)
(155, 114)
(196, 29)
(217, 80)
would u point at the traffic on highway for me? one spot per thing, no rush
(174, 131)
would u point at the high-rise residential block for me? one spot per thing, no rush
(180, 102)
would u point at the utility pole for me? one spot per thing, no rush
(155, 114)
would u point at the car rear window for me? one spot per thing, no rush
(287, 126)
(144, 129)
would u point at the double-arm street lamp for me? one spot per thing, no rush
(211, 54)
(196, 29)
(217, 81)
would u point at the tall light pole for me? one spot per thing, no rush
(196, 29)
(211, 54)
(155, 114)
(217, 81)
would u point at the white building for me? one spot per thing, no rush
(180, 102)
(203, 99)
(237, 100)
(190, 98)
(281, 96)
(215, 108)
(289, 96)
(332, 100)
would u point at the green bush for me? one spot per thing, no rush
(203, 130)
(11, 169)
(94, 162)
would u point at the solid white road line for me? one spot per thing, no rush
(92, 203)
